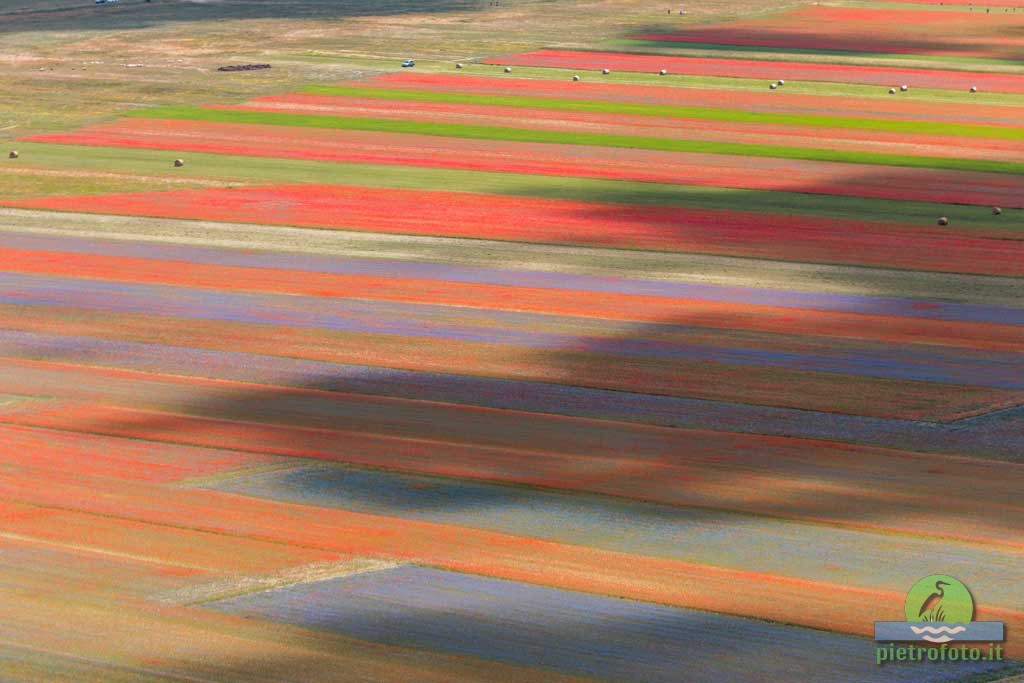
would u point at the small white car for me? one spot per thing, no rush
(409, 62)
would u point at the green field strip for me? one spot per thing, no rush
(675, 111)
(944, 62)
(264, 170)
(23, 182)
(503, 134)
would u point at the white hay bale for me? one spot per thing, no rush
(13, 154)
(508, 69)
(772, 86)
(782, 82)
(996, 211)
(943, 221)
(904, 88)
(892, 91)
(605, 71)
(178, 163)
(575, 77)
(663, 72)
(458, 65)
(974, 88)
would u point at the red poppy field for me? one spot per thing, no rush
(452, 214)
(446, 372)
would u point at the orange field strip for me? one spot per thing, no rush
(177, 546)
(117, 458)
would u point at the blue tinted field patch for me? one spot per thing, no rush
(723, 539)
(571, 632)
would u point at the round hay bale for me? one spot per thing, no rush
(178, 163)
(892, 91)
(904, 88)
(663, 72)
(772, 86)
(943, 221)
(458, 65)
(782, 82)
(974, 88)
(996, 211)
(13, 154)
(605, 71)
(508, 69)
(575, 77)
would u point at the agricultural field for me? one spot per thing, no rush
(610, 342)
(985, 35)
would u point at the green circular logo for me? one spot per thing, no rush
(940, 598)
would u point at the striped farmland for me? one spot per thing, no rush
(484, 376)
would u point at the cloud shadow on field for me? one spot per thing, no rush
(428, 431)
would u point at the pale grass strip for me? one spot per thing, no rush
(244, 585)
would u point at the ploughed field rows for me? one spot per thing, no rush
(448, 377)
